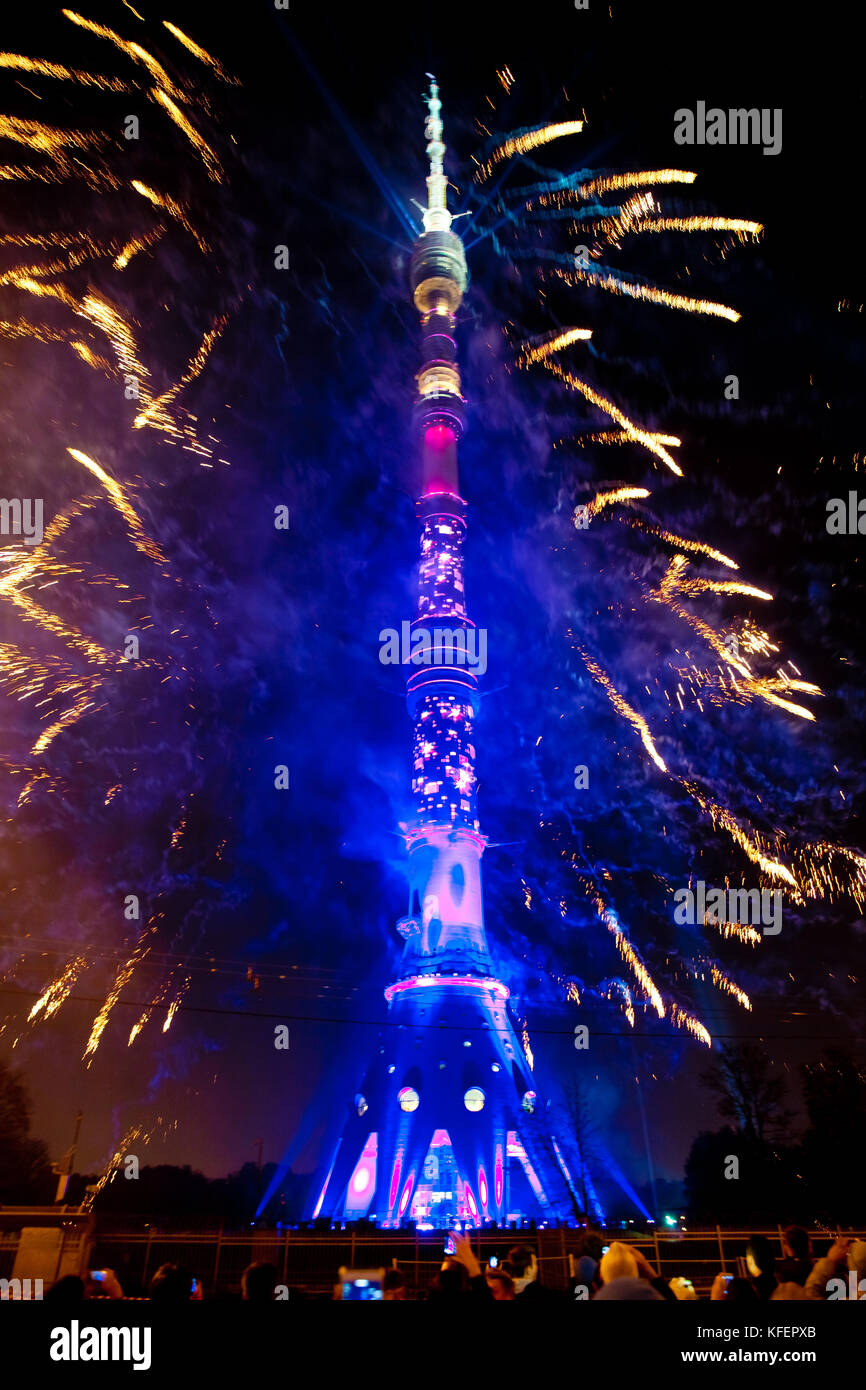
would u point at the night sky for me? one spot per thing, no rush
(259, 647)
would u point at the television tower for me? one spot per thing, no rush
(441, 1129)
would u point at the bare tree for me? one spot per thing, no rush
(748, 1093)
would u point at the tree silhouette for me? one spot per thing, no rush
(25, 1170)
(747, 1093)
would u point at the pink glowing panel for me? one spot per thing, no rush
(498, 1176)
(395, 1182)
(407, 1193)
(363, 1180)
(470, 1200)
(439, 437)
(482, 1188)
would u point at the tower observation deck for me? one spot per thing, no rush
(446, 1125)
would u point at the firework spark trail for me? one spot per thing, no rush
(622, 706)
(40, 68)
(50, 1000)
(631, 431)
(122, 978)
(681, 1018)
(621, 989)
(524, 141)
(616, 495)
(136, 1134)
(675, 581)
(49, 268)
(131, 49)
(751, 844)
(574, 186)
(752, 687)
(740, 931)
(54, 142)
(45, 139)
(198, 52)
(174, 209)
(724, 983)
(609, 918)
(576, 201)
(539, 351)
(138, 536)
(156, 410)
(24, 675)
(681, 542)
(620, 282)
(209, 158)
(741, 225)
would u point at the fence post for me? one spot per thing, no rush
(721, 1248)
(564, 1256)
(146, 1258)
(216, 1264)
(285, 1255)
(656, 1247)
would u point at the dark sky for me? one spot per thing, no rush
(264, 644)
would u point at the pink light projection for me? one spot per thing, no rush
(395, 1181)
(407, 1193)
(454, 981)
(482, 1189)
(439, 437)
(362, 1183)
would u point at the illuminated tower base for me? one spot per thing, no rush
(439, 1131)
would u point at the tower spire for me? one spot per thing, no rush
(437, 218)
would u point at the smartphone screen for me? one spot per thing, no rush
(361, 1289)
(450, 1247)
(98, 1276)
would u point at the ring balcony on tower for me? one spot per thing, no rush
(438, 273)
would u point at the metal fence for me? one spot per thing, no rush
(310, 1260)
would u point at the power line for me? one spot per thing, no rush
(283, 1017)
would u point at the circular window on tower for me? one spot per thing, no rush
(529, 1102)
(361, 1106)
(474, 1098)
(409, 1099)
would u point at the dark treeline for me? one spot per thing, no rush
(753, 1170)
